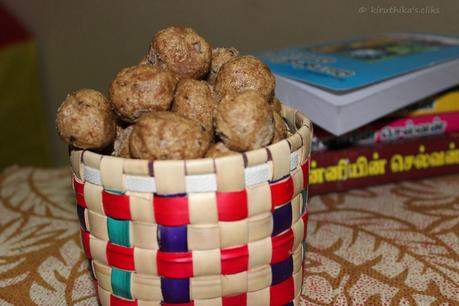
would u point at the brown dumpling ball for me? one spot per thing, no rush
(219, 57)
(219, 150)
(245, 73)
(182, 51)
(165, 135)
(276, 105)
(194, 100)
(85, 120)
(245, 121)
(280, 130)
(140, 89)
(121, 144)
(144, 61)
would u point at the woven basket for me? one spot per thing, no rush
(223, 231)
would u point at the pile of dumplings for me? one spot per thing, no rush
(184, 100)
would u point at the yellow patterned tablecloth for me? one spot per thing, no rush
(396, 244)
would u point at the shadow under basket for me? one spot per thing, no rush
(211, 231)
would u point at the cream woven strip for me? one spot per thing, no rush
(256, 298)
(92, 175)
(201, 236)
(194, 183)
(201, 183)
(148, 287)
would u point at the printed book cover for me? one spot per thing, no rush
(351, 64)
(345, 85)
(362, 166)
(432, 116)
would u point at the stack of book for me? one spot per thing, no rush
(385, 108)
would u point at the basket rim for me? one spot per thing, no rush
(299, 120)
(226, 173)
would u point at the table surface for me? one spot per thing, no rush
(396, 244)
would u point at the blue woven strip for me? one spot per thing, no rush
(175, 290)
(281, 271)
(118, 231)
(121, 283)
(173, 238)
(282, 219)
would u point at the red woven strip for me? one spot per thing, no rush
(116, 301)
(236, 300)
(235, 260)
(85, 241)
(116, 205)
(282, 246)
(171, 211)
(282, 192)
(175, 265)
(232, 206)
(120, 257)
(79, 193)
(305, 218)
(305, 170)
(282, 293)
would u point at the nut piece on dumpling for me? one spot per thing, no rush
(194, 100)
(280, 129)
(85, 120)
(182, 51)
(245, 73)
(219, 57)
(219, 150)
(245, 121)
(140, 89)
(121, 144)
(165, 135)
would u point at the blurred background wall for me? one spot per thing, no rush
(84, 43)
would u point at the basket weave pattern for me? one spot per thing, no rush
(223, 231)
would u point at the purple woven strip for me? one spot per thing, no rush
(80, 212)
(91, 271)
(175, 290)
(173, 238)
(282, 219)
(281, 271)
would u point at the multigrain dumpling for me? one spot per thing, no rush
(245, 121)
(182, 51)
(140, 89)
(219, 57)
(194, 100)
(85, 120)
(245, 73)
(165, 135)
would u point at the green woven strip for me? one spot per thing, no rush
(304, 193)
(115, 191)
(118, 231)
(121, 283)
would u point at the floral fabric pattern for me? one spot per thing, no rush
(396, 244)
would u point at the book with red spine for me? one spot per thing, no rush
(434, 115)
(362, 166)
